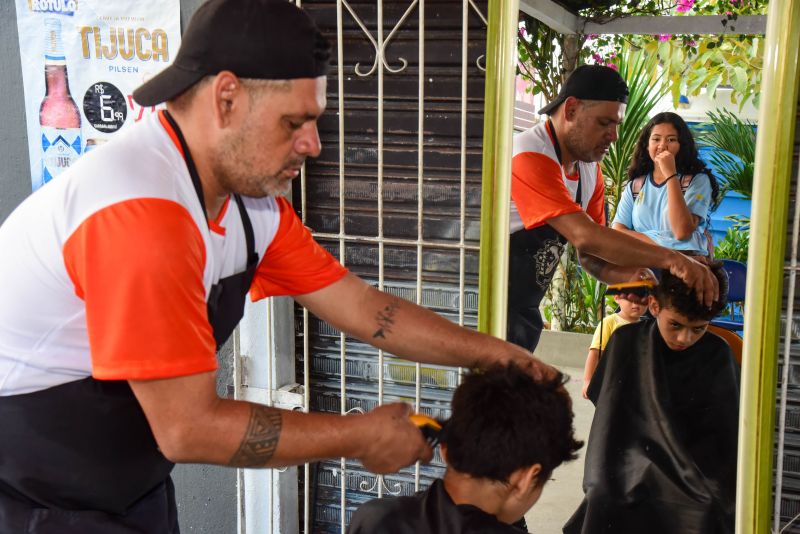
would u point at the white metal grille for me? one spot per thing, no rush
(397, 201)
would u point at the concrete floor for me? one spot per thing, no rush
(563, 493)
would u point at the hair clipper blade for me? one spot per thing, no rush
(641, 288)
(431, 428)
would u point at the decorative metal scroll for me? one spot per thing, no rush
(380, 49)
(482, 68)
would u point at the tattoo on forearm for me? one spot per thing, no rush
(261, 439)
(385, 318)
(593, 265)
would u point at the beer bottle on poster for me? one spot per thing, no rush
(59, 116)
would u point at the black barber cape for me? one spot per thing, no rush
(428, 512)
(661, 457)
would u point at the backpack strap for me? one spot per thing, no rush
(636, 185)
(686, 180)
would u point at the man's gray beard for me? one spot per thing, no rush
(582, 154)
(256, 187)
(249, 186)
(279, 191)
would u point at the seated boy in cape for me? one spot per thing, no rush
(506, 435)
(661, 457)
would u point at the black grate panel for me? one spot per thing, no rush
(441, 228)
(790, 494)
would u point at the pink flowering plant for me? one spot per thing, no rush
(693, 62)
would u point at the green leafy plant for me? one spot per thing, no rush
(691, 62)
(733, 151)
(546, 57)
(593, 293)
(573, 301)
(694, 63)
(734, 246)
(539, 51)
(741, 223)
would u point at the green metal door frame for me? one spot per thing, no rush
(771, 185)
(501, 68)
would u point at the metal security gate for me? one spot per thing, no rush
(786, 516)
(768, 485)
(395, 196)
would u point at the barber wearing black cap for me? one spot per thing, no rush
(557, 196)
(144, 251)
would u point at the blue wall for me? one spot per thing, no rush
(732, 203)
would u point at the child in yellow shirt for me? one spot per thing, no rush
(629, 312)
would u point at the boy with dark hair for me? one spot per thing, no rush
(506, 435)
(661, 457)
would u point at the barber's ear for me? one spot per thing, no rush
(571, 105)
(227, 94)
(443, 451)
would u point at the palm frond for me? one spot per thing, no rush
(646, 89)
(733, 150)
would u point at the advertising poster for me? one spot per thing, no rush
(81, 61)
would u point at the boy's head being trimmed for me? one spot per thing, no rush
(506, 435)
(682, 319)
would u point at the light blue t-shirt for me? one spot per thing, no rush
(648, 213)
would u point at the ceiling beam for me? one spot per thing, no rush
(699, 24)
(552, 14)
(564, 21)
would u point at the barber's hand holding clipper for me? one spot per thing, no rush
(391, 441)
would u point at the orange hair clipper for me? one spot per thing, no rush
(640, 288)
(431, 428)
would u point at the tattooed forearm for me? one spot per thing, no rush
(261, 439)
(385, 318)
(593, 265)
(606, 272)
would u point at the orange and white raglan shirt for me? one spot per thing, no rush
(105, 271)
(540, 191)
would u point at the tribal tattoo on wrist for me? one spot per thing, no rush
(386, 318)
(261, 438)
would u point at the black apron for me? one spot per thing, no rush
(81, 458)
(533, 259)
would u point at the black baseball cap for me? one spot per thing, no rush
(591, 82)
(262, 39)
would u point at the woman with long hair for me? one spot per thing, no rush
(670, 190)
